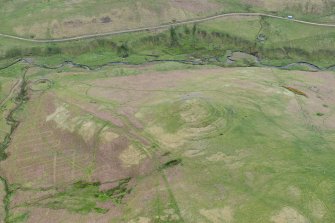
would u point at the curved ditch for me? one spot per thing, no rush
(202, 118)
(42, 84)
(302, 63)
(258, 61)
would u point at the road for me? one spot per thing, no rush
(88, 36)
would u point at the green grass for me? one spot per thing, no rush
(11, 72)
(229, 143)
(82, 197)
(22, 217)
(259, 166)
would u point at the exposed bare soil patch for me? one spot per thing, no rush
(296, 91)
(289, 215)
(195, 6)
(218, 215)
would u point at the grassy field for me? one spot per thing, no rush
(171, 142)
(45, 19)
(193, 123)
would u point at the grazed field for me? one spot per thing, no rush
(42, 19)
(168, 143)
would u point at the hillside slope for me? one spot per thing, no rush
(42, 19)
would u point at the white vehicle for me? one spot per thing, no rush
(290, 17)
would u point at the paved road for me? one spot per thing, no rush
(159, 27)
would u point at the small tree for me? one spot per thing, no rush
(194, 31)
(123, 50)
(13, 52)
(173, 37)
(186, 30)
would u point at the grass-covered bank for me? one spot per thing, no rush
(275, 42)
(13, 105)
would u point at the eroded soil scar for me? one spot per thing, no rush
(296, 91)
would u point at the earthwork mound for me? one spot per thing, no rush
(202, 117)
(41, 85)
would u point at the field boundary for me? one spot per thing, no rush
(164, 26)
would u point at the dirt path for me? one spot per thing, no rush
(88, 36)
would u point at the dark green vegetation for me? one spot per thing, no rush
(21, 98)
(83, 197)
(80, 197)
(170, 163)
